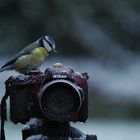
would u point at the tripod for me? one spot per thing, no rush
(37, 129)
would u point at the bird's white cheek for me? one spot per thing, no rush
(49, 49)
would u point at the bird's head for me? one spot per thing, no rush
(48, 43)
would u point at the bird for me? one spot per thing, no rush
(32, 56)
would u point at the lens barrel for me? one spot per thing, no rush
(60, 100)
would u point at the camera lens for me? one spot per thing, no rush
(60, 100)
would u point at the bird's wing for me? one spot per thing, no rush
(27, 50)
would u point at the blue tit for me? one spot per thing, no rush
(31, 57)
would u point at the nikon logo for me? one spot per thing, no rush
(59, 76)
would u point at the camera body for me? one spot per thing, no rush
(59, 94)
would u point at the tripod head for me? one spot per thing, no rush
(37, 130)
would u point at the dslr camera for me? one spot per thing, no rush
(59, 94)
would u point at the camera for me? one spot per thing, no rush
(47, 102)
(59, 94)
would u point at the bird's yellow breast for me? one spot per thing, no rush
(40, 51)
(31, 61)
(38, 56)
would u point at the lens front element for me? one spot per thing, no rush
(60, 100)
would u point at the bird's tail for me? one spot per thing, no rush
(5, 68)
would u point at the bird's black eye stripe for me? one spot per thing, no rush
(48, 43)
